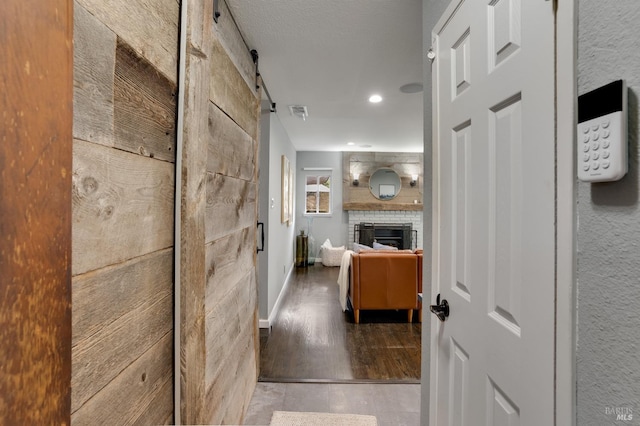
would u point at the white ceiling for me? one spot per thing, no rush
(331, 55)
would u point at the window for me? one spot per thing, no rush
(318, 194)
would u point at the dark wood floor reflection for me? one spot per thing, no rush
(312, 339)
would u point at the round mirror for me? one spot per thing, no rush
(385, 184)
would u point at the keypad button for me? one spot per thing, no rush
(586, 157)
(595, 145)
(606, 143)
(605, 164)
(596, 136)
(596, 155)
(586, 139)
(585, 129)
(595, 127)
(606, 133)
(585, 148)
(595, 165)
(605, 154)
(586, 167)
(605, 124)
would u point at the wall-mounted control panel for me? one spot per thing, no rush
(602, 133)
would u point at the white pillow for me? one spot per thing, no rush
(378, 246)
(361, 247)
(326, 244)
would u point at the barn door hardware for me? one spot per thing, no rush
(261, 228)
(255, 57)
(216, 10)
(431, 55)
(440, 309)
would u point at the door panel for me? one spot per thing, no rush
(494, 203)
(501, 410)
(459, 385)
(460, 145)
(505, 189)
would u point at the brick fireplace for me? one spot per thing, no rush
(385, 217)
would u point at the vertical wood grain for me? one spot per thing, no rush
(192, 219)
(230, 222)
(218, 334)
(35, 210)
(94, 48)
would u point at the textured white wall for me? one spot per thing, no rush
(608, 320)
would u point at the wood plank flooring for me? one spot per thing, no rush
(313, 340)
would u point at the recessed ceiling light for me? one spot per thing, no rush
(375, 99)
(351, 143)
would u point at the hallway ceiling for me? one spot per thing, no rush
(331, 56)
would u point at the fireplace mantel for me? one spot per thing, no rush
(357, 196)
(382, 206)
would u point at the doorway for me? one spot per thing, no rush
(459, 232)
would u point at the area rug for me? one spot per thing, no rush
(295, 418)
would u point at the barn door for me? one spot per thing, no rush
(494, 244)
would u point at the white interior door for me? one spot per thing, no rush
(492, 359)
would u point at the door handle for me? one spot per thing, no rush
(440, 309)
(261, 248)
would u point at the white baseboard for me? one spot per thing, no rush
(266, 323)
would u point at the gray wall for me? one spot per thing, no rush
(276, 263)
(335, 226)
(608, 318)
(263, 209)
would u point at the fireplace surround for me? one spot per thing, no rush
(400, 235)
(355, 217)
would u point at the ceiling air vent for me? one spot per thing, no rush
(299, 111)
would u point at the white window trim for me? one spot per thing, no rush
(317, 172)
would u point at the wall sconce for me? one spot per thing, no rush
(355, 181)
(414, 180)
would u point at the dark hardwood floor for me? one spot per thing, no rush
(313, 340)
